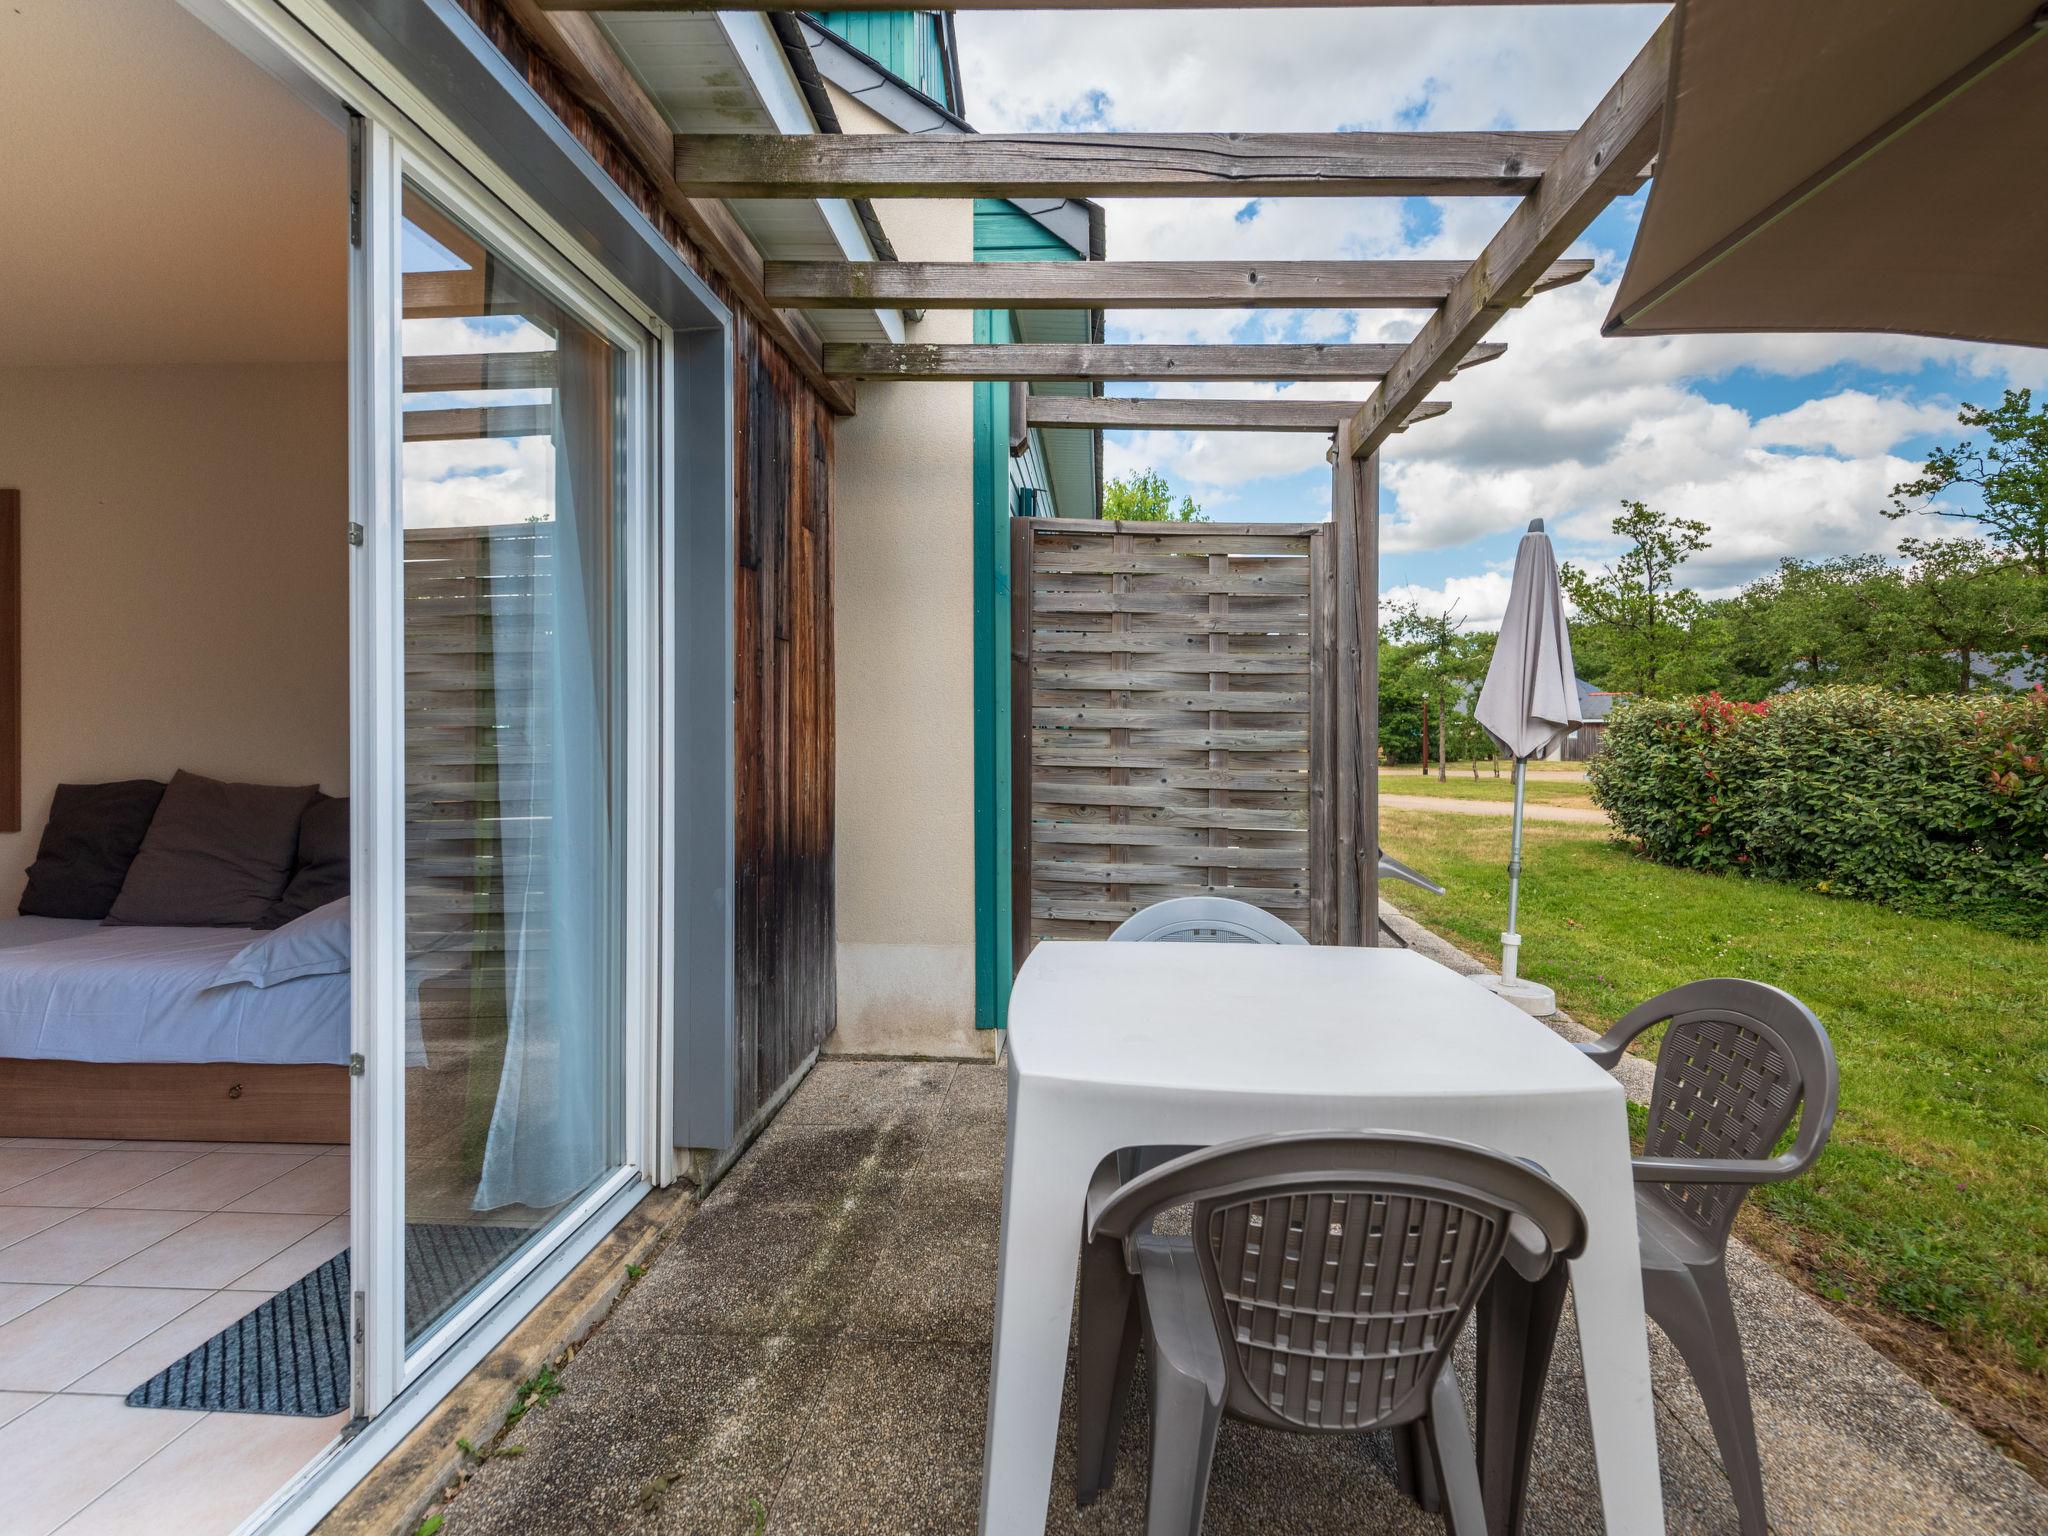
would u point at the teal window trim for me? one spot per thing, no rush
(1002, 232)
(993, 960)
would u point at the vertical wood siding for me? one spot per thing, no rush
(783, 705)
(785, 996)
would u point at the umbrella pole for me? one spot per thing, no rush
(1511, 941)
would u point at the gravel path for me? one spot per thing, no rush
(1578, 813)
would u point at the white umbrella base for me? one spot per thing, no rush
(1532, 997)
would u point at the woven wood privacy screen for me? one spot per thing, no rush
(1170, 721)
(474, 597)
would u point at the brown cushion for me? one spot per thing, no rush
(88, 843)
(217, 854)
(320, 873)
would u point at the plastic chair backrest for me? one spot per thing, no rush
(1205, 920)
(1339, 1267)
(1737, 1061)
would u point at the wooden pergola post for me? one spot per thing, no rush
(1355, 532)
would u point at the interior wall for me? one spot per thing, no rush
(184, 576)
(904, 614)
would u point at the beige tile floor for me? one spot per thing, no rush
(115, 1259)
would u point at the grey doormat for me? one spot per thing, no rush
(291, 1355)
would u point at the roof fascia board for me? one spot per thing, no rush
(899, 102)
(762, 56)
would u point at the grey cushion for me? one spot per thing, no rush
(88, 843)
(217, 854)
(320, 872)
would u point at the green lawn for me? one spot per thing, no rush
(1544, 789)
(1932, 1199)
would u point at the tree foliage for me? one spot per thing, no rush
(1430, 665)
(1146, 498)
(1950, 616)
(1637, 615)
(2009, 476)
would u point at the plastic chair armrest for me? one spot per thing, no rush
(1527, 1252)
(1603, 1054)
(1608, 1049)
(1717, 1170)
(1102, 1189)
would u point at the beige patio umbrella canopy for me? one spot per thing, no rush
(1849, 165)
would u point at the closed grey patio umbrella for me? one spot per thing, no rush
(1530, 698)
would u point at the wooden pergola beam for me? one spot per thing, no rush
(429, 372)
(1603, 161)
(1121, 413)
(466, 423)
(1089, 361)
(1126, 284)
(578, 47)
(756, 165)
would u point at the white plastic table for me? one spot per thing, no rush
(1116, 1045)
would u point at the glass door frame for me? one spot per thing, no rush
(427, 87)
(389, 164)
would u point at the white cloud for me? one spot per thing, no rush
(479, 482)
(464, 334)
(1480, 600)
(1853, 423)
(1260, 70)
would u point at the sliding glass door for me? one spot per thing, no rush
(512, 495)
(514, 499)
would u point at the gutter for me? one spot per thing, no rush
(954, 92)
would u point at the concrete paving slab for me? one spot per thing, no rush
(895, 1446)
(810, 1354)
(853, 1090)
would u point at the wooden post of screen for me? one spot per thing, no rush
(1354, 530)
(1023, 542)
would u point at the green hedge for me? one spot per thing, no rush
(1936, 805)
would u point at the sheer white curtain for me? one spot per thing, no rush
(549, 1131)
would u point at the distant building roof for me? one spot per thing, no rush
(1595, 703)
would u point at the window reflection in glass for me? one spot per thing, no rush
(511, 502)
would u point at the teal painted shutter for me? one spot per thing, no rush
(906, 43)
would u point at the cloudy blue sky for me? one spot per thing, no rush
(1781, 445)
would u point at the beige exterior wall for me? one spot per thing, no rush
(184, 577)
(903, 602)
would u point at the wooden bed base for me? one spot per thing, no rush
(174, 1101)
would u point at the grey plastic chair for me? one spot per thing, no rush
(1193, 920)
(1204, 920)
(1327, 1277)
(1738, 1059)
(1392, 868)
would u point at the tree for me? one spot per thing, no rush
(1146, 498)
(1841, 620)
(1975, 614)
(1443, 669)
(1631, 612)
(2010, 477)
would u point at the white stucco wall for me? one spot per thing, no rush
(903, 603)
